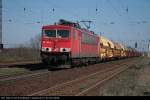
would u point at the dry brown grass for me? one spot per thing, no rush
(12, 71)
(134, 82)
(19, 54)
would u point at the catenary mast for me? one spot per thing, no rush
(1, 45)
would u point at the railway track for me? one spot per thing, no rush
(5, 65)
(34, 68)
(36, 83)
(26, 75)
(41, 72)
(82, 85)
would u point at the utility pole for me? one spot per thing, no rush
(1, 45)
(148, 52)
(148, 49)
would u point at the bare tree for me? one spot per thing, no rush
(35, 42)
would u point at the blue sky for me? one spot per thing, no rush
(111, 19)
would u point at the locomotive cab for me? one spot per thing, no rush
(56, 44)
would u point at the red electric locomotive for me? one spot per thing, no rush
(66, 42)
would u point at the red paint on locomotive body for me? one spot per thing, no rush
(85, 44)
(80, 43)
(68, 42)
(55, 44)
(74, 44)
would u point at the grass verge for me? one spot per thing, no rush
(133, 82)
(12, 71)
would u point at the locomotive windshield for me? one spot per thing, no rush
(62, 33)
(50, 33)
(57, 33)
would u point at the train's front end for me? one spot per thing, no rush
(55, 44)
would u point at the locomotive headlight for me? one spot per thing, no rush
(47, 49)
(43, 49)
(64, 49)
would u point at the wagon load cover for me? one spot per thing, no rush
(106, 42)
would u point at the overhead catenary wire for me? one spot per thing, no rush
(22, 13)
(125, 8)
(56, 7)
(126, 14)
(63, 9)
(109, 2)
(140, 47)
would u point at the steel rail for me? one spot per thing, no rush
(77, 79)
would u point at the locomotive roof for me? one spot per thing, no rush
(68, 27)
(68, 24)
(54, 26)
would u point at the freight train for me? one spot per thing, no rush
(66, 43)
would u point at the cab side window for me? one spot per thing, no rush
(74, 35)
